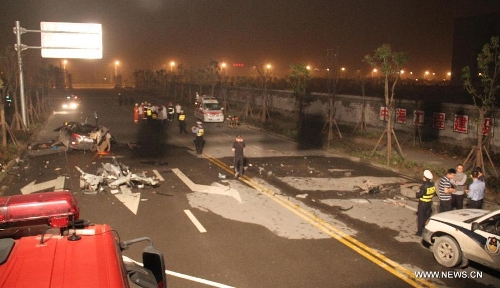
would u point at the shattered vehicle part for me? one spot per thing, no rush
(114, 175)
(89, 181)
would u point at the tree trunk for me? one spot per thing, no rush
(388, 104)
(4, 126)
(479, 152)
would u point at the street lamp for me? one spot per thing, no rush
(342, 70)
(64, 72)
(374, 71)
(116, 68)
(426, 73)
(172, 64)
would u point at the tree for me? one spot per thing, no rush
(483, 89)
(265, 73)
(213, 74)
(389, 63)
(298, 82)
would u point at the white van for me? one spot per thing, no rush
(208, 109)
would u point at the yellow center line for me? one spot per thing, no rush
(391, 266)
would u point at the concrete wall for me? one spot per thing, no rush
(348, 111)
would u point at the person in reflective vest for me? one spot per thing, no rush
(170, 111)
(182, 122)
(198, 141)
(424, 196)
(136, 112)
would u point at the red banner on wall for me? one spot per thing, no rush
(460, 123)
(400, 115)
(384, 113)
(486, 126)
(418, 117)
(438, 120)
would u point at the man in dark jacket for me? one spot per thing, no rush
(239, 157)
(424, 196)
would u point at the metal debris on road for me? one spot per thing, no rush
(114, 175)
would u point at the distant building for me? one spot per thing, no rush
(469, 36)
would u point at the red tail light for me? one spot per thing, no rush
(52, 206)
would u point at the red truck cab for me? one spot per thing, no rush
(65, 251)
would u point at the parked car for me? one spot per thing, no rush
(457, 236)
(71, 102)
(76, 135)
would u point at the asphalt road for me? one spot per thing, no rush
(298, 218)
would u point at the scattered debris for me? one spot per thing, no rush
(114, 175)
(303, 196)
(345, 209)
(222, 176)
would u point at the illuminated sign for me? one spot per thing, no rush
(71, 40)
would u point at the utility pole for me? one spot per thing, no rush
(19, 47)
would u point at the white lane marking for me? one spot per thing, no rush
(195, 221)
(158, 175)
(180, 275)
(216, 188)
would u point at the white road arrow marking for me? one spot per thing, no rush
(216, 188)
(57, 183)
(129, 199)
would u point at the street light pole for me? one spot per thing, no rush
(116, 69)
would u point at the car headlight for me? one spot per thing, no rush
(73, 105)
(65, 106)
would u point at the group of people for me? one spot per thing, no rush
(451, 193)
(147, 111)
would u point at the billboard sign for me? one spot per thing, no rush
(71, 40)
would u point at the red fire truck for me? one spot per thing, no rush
(43, 243)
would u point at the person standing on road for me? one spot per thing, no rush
(445, 190)
(178, 109)
(239, 158)
(136, 113)
(457, 197)
(198, 141)
(182, 122)
(141, 109)
(170, 111)
(424, 196)
(476, 191)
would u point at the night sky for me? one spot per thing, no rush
(149, 34)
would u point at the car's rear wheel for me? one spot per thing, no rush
(447, 251)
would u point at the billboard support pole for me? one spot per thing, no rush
(19, 49)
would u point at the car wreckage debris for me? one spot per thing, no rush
(113, 175)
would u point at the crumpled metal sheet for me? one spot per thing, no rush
(113, 175)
